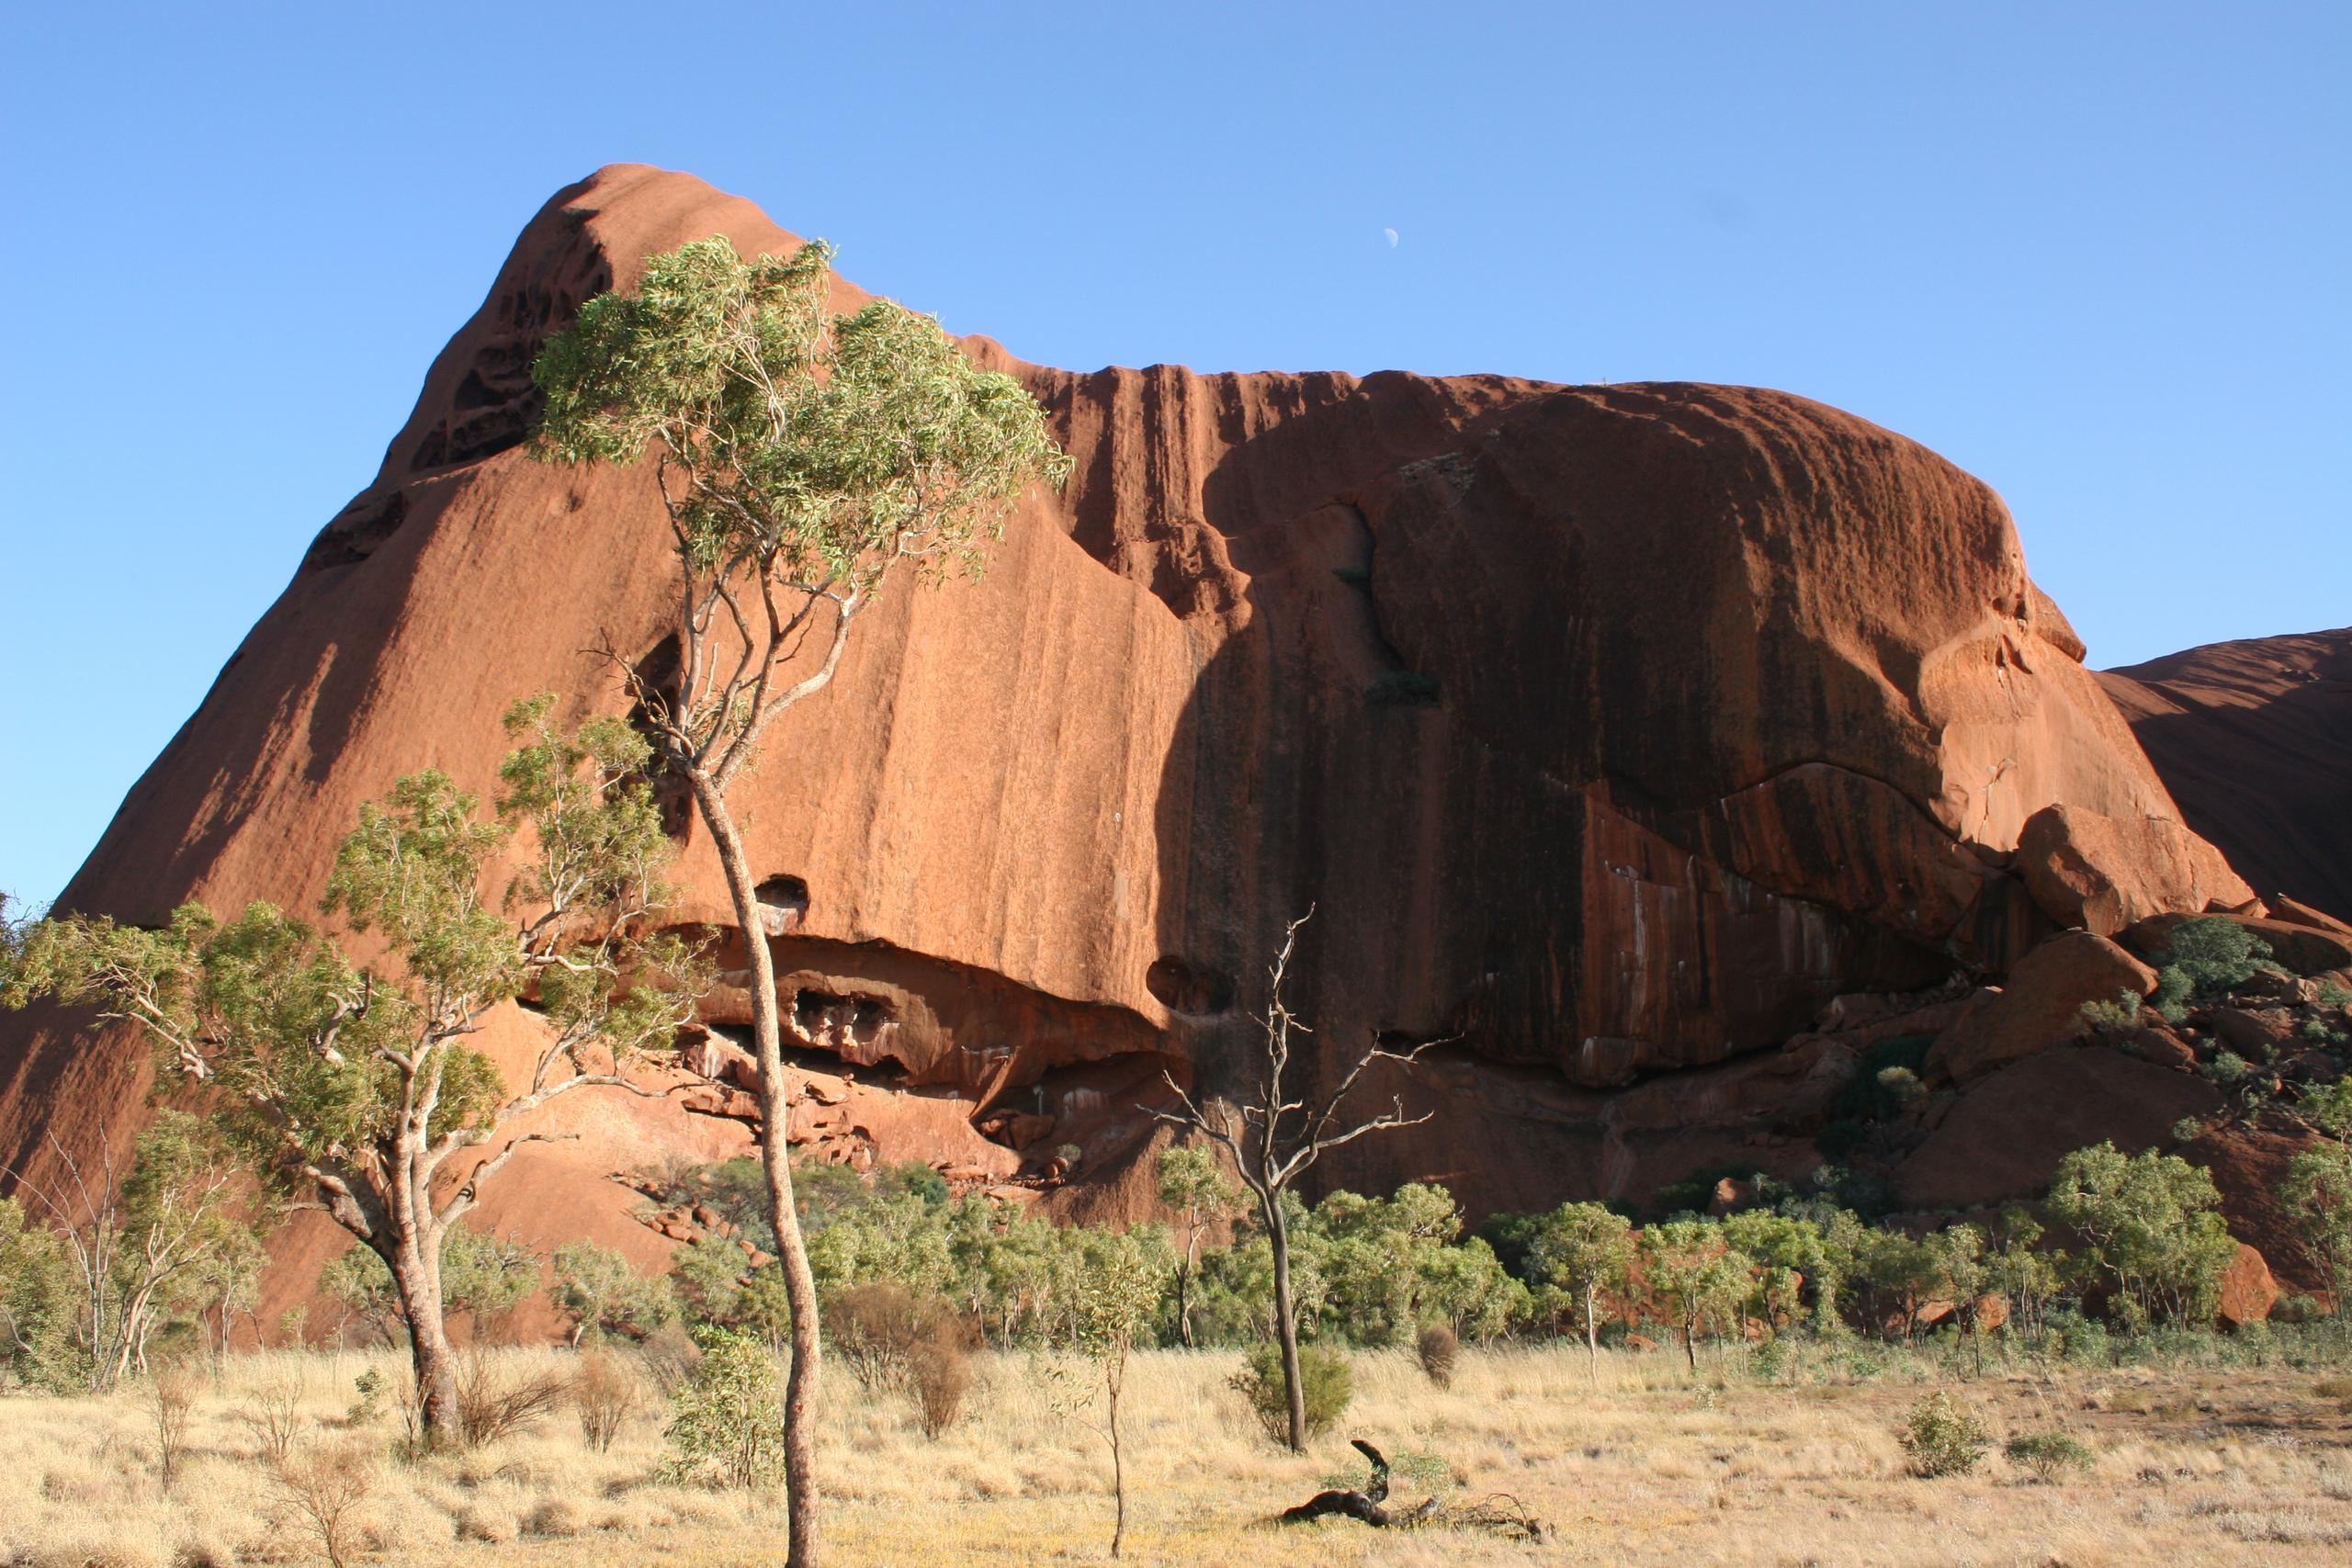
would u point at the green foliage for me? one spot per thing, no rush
(2019, 1270)
(2317, 1196)
(2216, 955)
(1697, 1276)
(727, 1420)
(187, 1250)
(1388, 1265)
(36, 1301)
(2174, 988)
(2048, 1454)
(1941, 1439)
(2332, 993)
(483, 1276)
(819, 448)
(1324, 1376)
(318, 1064)
(13, 924)
(2153, 1228)
(1585, 1252)
(598, 1288)
(2328, 1107)
(2227, 1068)
(2121, 1013)
(1116, 1291)
(1693, 1193)
(350, 1087)
(1193, 1183)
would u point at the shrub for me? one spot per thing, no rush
(727, 1421)
(1439, 1349)
(939, 1376)
(495, 1403)
(1901, 1084)
(893, 1340)
(363, 1411)
(171, 1398)
(273, 1413)
(2123, 1013)
(2173, 988)
(2216, 954)
(320, 1493)
(606, 1393)
(1942, 1438)
(2048, 1454)
(1324, 1377)
(877, 1329)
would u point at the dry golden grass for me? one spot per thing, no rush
(1652, 1466)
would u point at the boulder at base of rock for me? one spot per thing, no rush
(2101, 873)
(2306, 950)
(2041, 1007)
(2248, 1292)
(2006, 1133)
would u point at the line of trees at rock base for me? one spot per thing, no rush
(177, 1261)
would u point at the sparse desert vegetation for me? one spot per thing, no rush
(2212, 1451)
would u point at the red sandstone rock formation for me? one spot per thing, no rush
(2041, 1006)
(2255, 740)
(2102, 874)
(1613, 730)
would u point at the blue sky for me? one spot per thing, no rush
(2097, 253)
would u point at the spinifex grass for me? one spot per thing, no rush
(2193, 1464)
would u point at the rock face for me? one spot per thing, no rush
(1612, 730)
(2255, 740)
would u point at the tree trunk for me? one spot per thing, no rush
(1285, 1318)
(1592, 1335)
(1118, 1467)
(776, 1159)
(1690, 1340)
(415, 1264)
(1184, 1288)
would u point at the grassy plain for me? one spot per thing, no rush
(2193, 1464)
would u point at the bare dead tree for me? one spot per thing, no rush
(1275, 1136)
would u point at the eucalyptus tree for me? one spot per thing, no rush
(1192, 1186)
(800, 457)
(1278, 1132)
(356, 1088)
(1701, 1279)
(138, 1241)
(1586, 1251)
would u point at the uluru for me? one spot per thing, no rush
(1655, 747)
(866, 785)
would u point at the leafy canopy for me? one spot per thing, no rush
(321, 1065)
(817, 446)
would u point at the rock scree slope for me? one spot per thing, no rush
(1614, 732)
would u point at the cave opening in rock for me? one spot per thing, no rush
(784, 903)
(827, 1019)
(1189, 988)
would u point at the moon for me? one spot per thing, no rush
(1392, 237)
